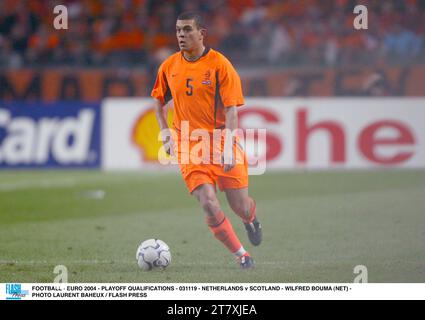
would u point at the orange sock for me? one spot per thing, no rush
(252, 212)
(222, 229)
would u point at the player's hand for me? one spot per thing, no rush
(169, 146)
(228, 157)
(229, 164)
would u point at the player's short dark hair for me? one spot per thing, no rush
(192, 15)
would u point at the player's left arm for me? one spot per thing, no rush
(232, 98)
(231, 114)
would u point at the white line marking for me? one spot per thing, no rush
(44, 183)
(46, 262)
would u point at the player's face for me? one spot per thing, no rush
(189, 37)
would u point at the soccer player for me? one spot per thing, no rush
(206, 91)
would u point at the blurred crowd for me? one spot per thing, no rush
(251, 32)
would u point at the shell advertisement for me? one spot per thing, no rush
(326, 133)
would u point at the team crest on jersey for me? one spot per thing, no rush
(207, 78)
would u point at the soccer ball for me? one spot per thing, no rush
(153, 253)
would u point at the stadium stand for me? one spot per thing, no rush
(250, 32)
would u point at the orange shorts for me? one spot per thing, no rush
(195, 175)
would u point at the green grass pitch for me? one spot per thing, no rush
(317, 227)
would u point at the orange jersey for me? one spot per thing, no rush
(200, 89)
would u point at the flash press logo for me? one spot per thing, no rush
(14, 291)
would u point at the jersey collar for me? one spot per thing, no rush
(206, 50)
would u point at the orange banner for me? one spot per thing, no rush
(92, 85)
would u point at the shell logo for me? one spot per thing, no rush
(145, 134)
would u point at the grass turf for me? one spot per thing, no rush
(317, 227)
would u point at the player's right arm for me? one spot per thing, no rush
(159, 109)
(161, 94)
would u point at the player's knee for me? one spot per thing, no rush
(241, 207)
(210, 205)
